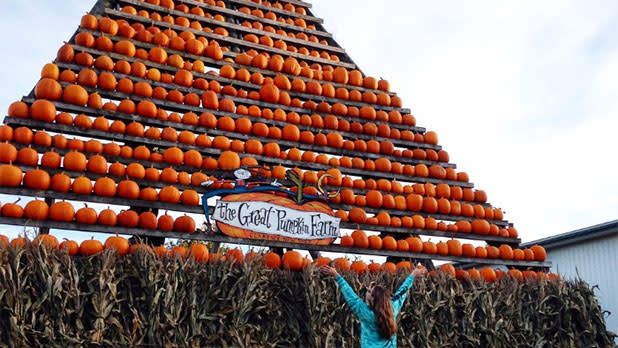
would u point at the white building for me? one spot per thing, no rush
(590, 253)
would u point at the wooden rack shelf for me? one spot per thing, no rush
(431, 233)
(140, 182)
(232, 26)
(280, 11)
(168, 86)
(395, 212)
(241, 101)
(199, 189)
(373, 252)
(249, 102)
(264, 243)
(213, 63)
(298, 3)
(228, 40)
(112, 159)
(219, 63)
(70, 196)
(162, 165)
(180, 126)
(215, 152)
(228, 54)
(239, 15)
(119, 201)
(241, 136)
(236, 83)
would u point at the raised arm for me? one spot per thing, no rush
(399, 297)
(357, 305)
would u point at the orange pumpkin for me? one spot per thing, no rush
(346, 241)
(71, 247)
(105, 187)
(50, 70)
(389, 267)
(107, 217)
(272, 260)
(506, 252)
(389, 243)
(357, 215)
(454, 247)
(13, 210)
(199, 252)
(342, 264)
(293, 260)
(86, 215)
(128, 189)
(119, 244)
(37, 179)
(49, 89)
(75, 161)
(359, 267)
(128, 218)
(539, 253)
(270, 93)
(46, 240)
(169, 194)
(65, 54)
(184, 224)
(448, 269)
(75, 94)
(36, 210)
(62, 211)
(165, 223)
(360, 239)
(488, 274)
(229, 160)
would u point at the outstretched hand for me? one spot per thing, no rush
(419, 271)
(327, 270)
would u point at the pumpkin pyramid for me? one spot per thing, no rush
(150, 99)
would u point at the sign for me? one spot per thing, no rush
(268, 216)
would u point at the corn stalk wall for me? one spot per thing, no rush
(48, 299)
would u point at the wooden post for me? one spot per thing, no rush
(45, 230)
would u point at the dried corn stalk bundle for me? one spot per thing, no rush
(50, 299)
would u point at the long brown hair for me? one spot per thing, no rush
(383, 312)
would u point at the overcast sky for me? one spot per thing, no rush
(523, 95)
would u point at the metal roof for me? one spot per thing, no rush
(577, 236)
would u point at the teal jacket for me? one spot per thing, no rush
(370, 336)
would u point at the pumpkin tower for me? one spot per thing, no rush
(154, 103)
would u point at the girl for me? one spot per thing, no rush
(377, 314)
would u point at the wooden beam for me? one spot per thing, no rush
(190, 170)
(284, 12)
(119, 201)
(230, 40)
(114, 115)
(234, 135)
(215, 152)
(210, 62)
(263, 243)
(514, 242)
(298, 3)
(234, 27)
(239, 15)
(245, 101)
